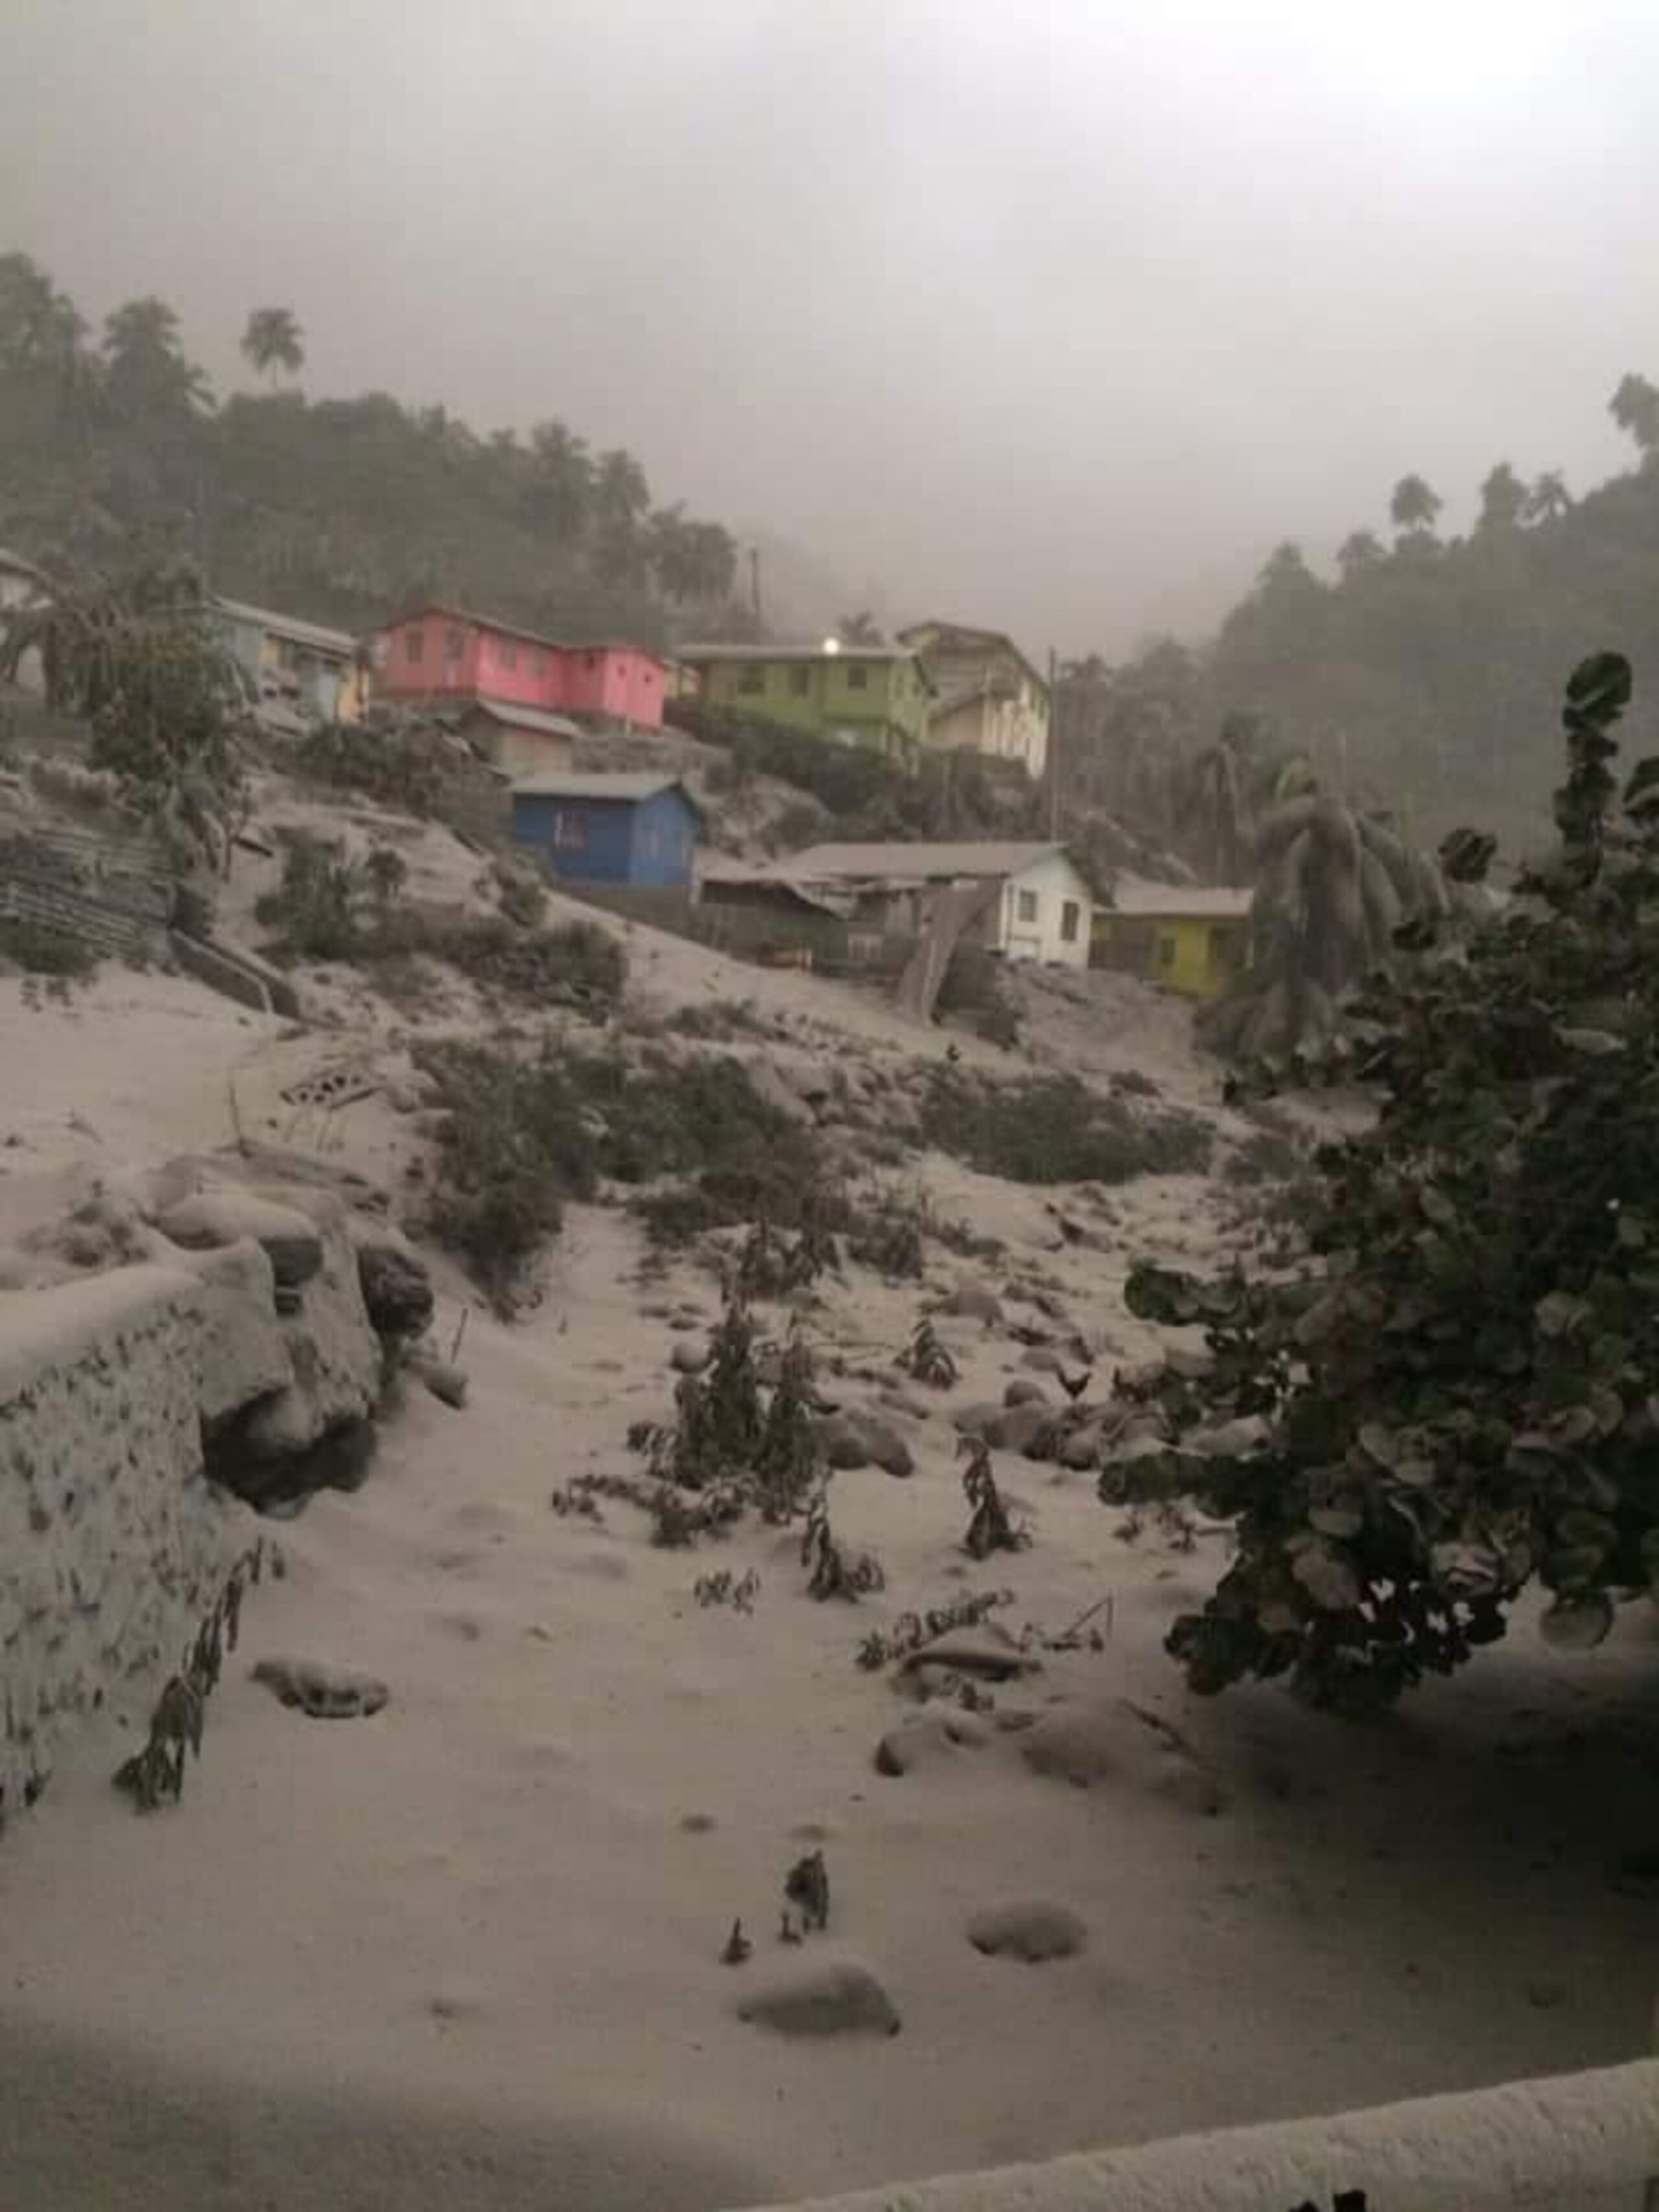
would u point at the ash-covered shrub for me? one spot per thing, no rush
(1457, 1393)
(1053, 1128)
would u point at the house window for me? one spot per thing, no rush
(288, 653)
(454, 644)
(1070, 915)
(858, 677)
(537, 662)
(570, 832)
(801, 682)
(1166, 950)
(414, 645)
(1025, 906)
(592, 659)
(509, 655)
(751, 680)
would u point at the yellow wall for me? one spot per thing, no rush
(1194, 956)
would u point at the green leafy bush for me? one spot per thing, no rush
(515, 1145)
(1053, 1128)
(1460, 1391)
(576, 963)
(141, 661)
(314, 912)
(525, 1135)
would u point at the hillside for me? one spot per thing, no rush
(1412, 675)
(114, 452)
(477, 1940)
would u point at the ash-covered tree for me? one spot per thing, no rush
(274, 340)
(1459, 1392)
(141, 663)
(1333, 884)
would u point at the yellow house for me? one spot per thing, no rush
(1190, 937)
(322, 672)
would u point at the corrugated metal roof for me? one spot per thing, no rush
(974, 859)
(513, 716)
(993, 638)
(693, 654)
(497, 627)
(337, 642)
(1135, 895)
(629, 790)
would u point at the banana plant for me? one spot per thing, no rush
(1333, 886)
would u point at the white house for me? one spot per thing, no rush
(990, 699)
(1040, 909)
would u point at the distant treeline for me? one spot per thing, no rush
(1421, 679)
(114, 455)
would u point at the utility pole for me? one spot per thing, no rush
(754, 585)
(1053, 752)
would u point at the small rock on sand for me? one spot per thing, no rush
(842, 1441)
(986, 1650)
(1032, 1928)
(689, 1358)
(885, 1446)
(928, 1739)
(1024, 1390)
(323, 1693)
(973, 1302)
(1080, 1449)
(822, 1997)
(209, 1219)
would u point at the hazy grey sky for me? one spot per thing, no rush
(1048, 312)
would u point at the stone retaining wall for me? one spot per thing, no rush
(110, 1542)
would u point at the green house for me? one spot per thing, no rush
(859, 694)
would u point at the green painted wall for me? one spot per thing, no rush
(821, 693)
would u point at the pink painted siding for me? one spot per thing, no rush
(434, 655)
(616, 680)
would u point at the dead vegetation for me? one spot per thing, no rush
(156, 1772)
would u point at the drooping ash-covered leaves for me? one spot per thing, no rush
(1460, 1391)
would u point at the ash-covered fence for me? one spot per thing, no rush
(112, 894)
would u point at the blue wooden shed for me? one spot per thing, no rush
(635, 829)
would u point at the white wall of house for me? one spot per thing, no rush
(1015, 728)
(1044, 914)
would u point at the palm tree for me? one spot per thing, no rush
(621, 493)
(1635, 408)
(714, 559)
(1360, 550)
(1503, 498)
(560, 496)
(1333, 885)
(1414, 506)
(274, 340)
(860, 628)
(673, 552)
(1548, 500)
(40, 325)
(148, 370)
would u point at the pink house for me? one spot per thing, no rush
(441, 654)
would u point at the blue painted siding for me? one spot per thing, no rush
(609, 841)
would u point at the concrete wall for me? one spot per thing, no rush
(1575, 2143)
(112, 1544)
